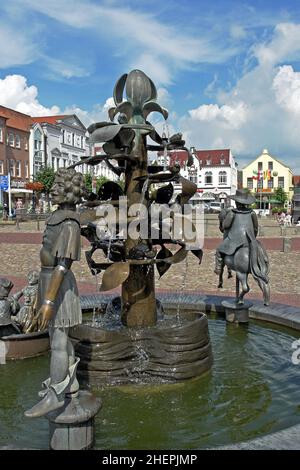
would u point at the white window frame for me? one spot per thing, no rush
(11, 139)
(17, 141)
(1, 167)
(208, 173)
(1, 134)
(222, 175)
(12, 167)
(18, 170)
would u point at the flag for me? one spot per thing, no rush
(255, 175)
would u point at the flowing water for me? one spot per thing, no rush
(252, 389)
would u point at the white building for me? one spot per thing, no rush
(213, 171)
(102, 169)
(57, 141)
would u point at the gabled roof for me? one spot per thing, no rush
(15, 119)
(213, 157)
(205, 157)
(269, 155)
(176, 156)
(51, 119)
(58, 119)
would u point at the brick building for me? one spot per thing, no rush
(14, 151)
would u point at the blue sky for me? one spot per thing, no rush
(228, 71)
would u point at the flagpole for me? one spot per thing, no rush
(9, 195)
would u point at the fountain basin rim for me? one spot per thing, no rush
(275, 313)
(281, 314)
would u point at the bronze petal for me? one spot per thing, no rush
(125, 108)
(98, 125)
(152, 106)
(163, 267)
(111, 113)
(105, 133)
(119, 88)
(115, 275)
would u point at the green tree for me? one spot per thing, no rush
(88, 182)
(280, 195)
(46, 176)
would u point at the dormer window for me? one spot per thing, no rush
(222, 161)
(208, 162)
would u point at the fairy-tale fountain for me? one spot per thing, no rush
(135, 338)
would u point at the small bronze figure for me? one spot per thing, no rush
(58, 304)
(240, 250)
(8, 306)
(27, 312)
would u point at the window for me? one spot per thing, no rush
(259, 166)
(222, 161)
(281, 182)
(208, 177)
(260, 184)
(193, 179)
(271, 183)
(1, 167)
(26, 170)
(18, 168)
(250, 183)
(12, 167)
(1, 134)
(11, 139)
(208, 162)
(26, 144)
(222, 177)
(270, 166)
(63, 136)
(18, 141)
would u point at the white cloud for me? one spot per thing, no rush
(260, 111)
(16, 94)
(158, 47)
(286, 85)
(17, 47)
(284, 45)
(231, 116)
(64, 68)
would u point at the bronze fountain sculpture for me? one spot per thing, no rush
(139, 240)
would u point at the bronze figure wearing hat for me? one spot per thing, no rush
(240, 250)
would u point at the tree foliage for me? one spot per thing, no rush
(46, 177)
(280, 195)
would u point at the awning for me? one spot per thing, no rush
(19, 190)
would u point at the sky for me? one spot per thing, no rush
(227, 70)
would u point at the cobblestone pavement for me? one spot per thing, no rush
(18, 259)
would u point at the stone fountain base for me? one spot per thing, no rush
(175, 349)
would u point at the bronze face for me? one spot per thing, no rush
(57, 193)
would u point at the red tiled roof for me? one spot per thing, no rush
(16, 120)
(296, 180)
(213, 157)
(50, 119)
(176, 156)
